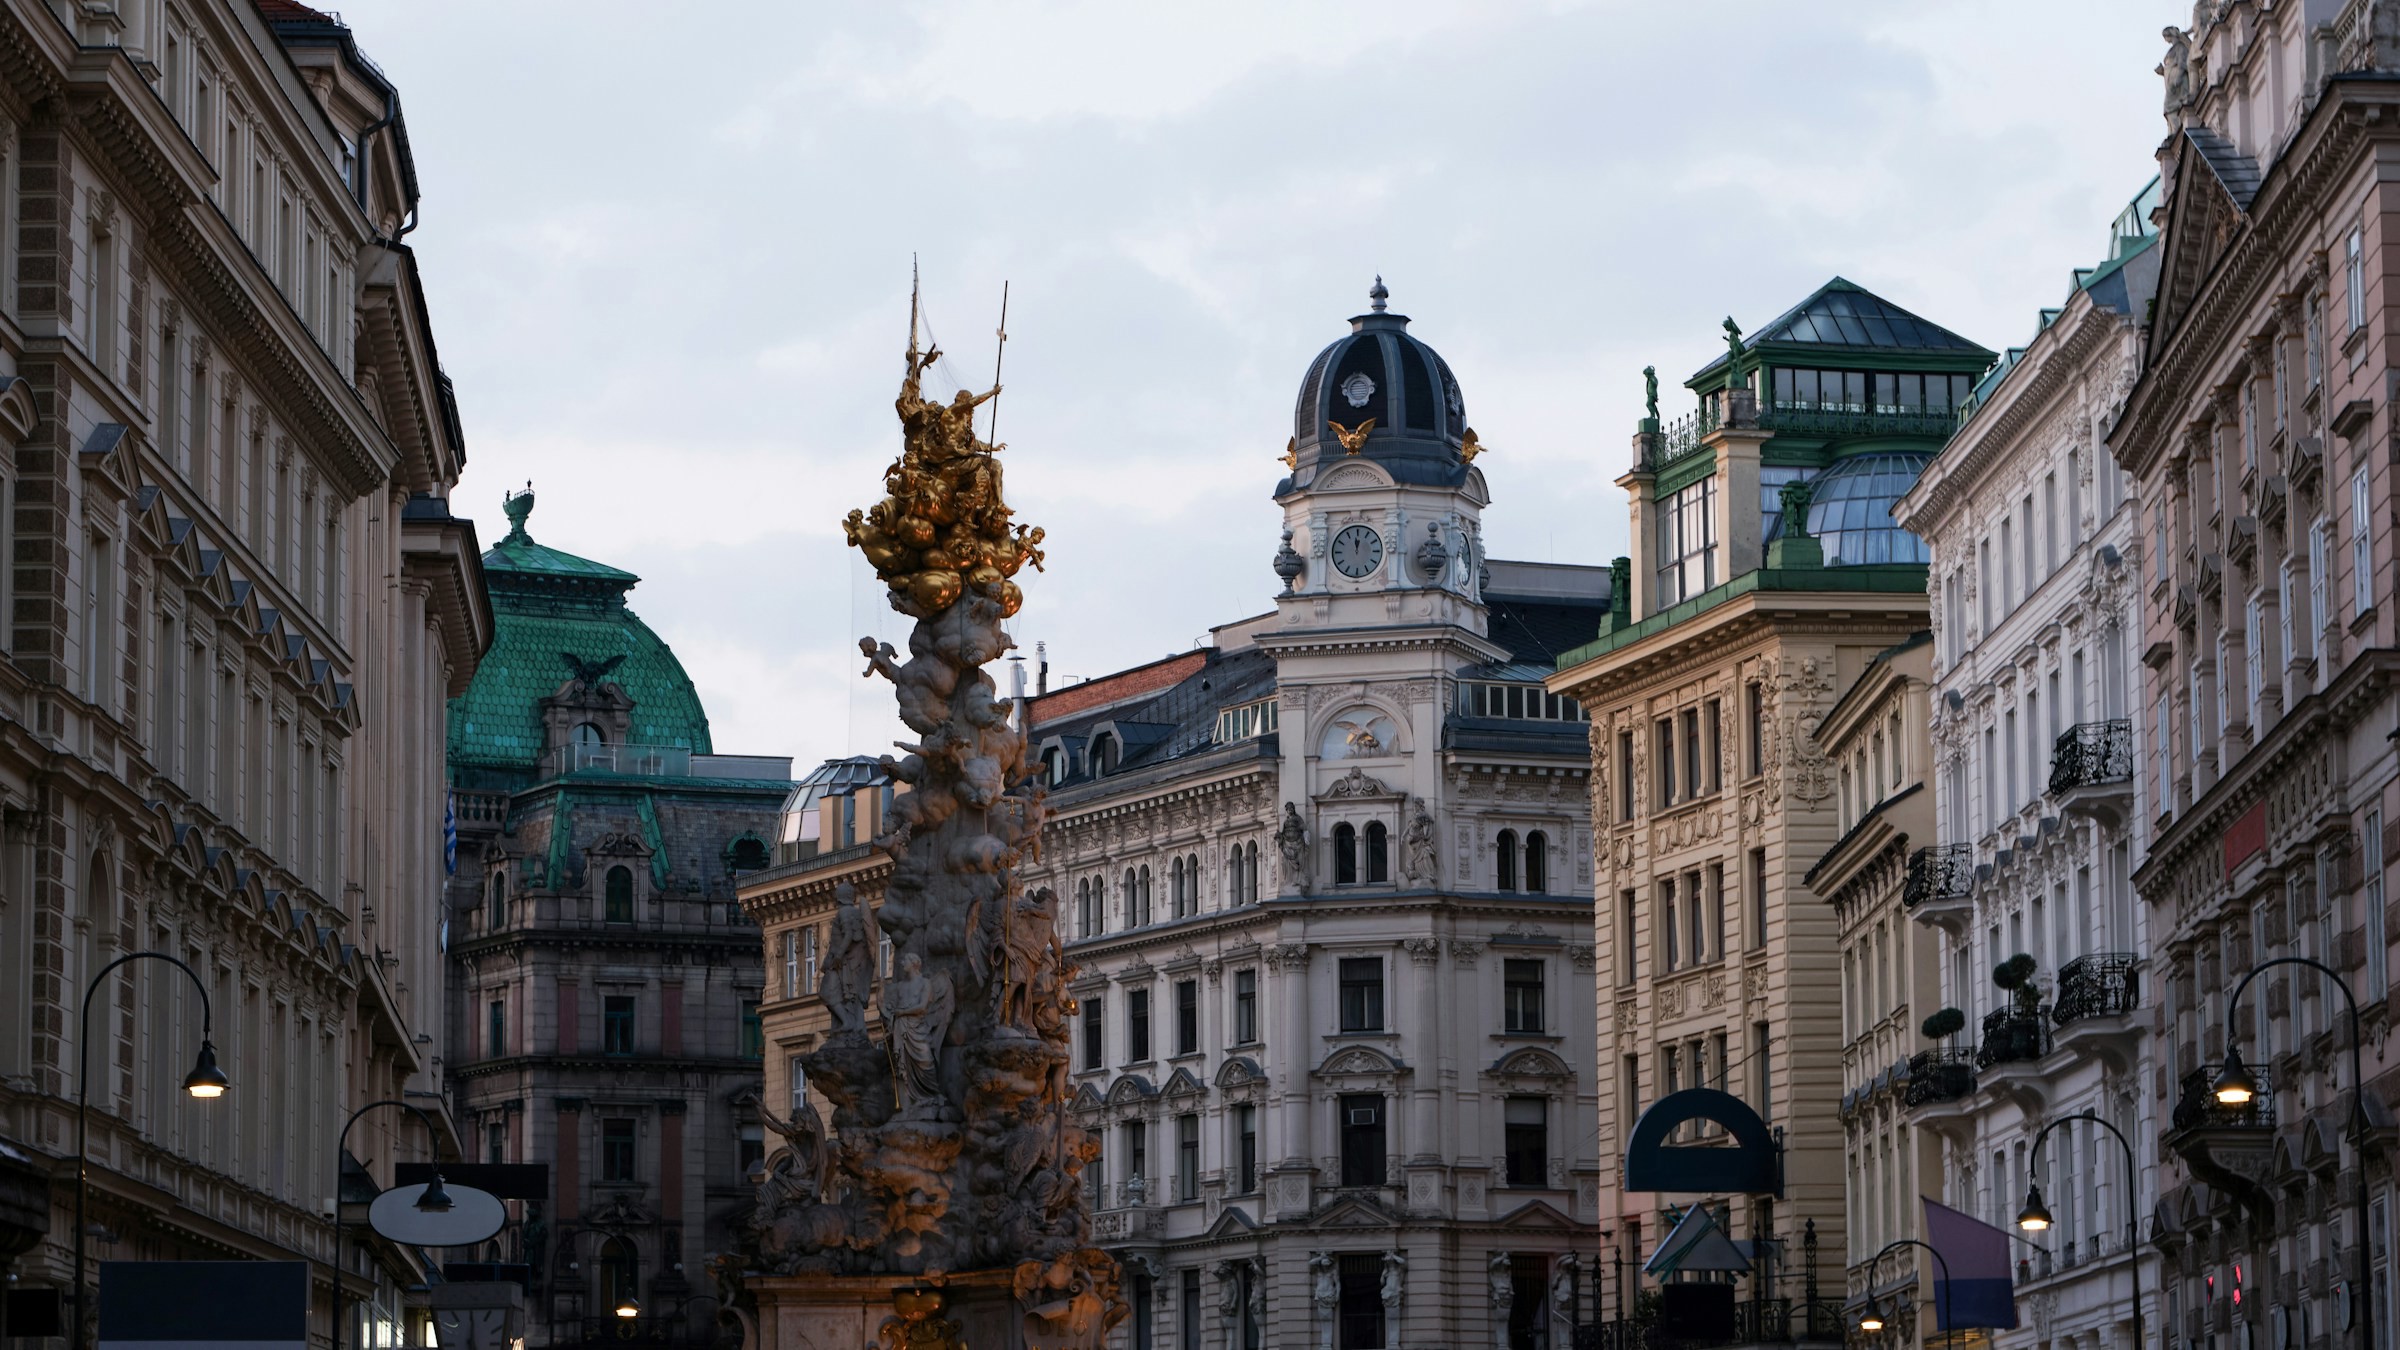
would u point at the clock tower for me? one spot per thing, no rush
(1384, 599)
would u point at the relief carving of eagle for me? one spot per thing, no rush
(590, 673)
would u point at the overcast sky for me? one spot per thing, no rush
(667, 251)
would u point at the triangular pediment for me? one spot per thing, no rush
(1353, 1211)
(1233, 1222)
(1182, 1084)
(2202, 217)
(1536, 1214)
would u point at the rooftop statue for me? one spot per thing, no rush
(950, 1152)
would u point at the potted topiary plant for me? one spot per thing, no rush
(2023, 1030)
(1943, 1025)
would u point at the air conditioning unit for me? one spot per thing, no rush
(1362, 1115)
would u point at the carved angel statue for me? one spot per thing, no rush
(848, 976)
(799, 1170)
(1291, 840)
(1418, 860)
(916, 1016)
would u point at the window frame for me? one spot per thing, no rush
(1361, 1011)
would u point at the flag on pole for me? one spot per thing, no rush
(1979, 1292)
(449, 833)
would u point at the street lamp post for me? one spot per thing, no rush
(1872, 1320)
(2236, 1085)
(435, 1200)
(2035, 1217)
(205, 1082)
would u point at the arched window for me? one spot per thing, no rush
(499, 901)
(1379, 853)
(1233, 876)
(1141, 903)
(1250, 873)
(1537, 862)
(1175, 888)
(620, 1276)
(1345, 855)
(1191, 879)
(620, 894)
(1083, 908)
(589, 734)
(1133, 895)
(748, 855)
(1507, 848)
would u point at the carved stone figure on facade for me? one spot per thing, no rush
(1229, 1290)
(916, 1018)
(1503, 1287)
(1562, 1291)
(1325, 1296)
(1650, 394)
(2176, 69)
(1418, 859)
(1291, 840)
(798, 1170)
(847, 977)
(1395, 1277)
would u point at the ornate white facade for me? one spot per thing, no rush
(1328, 885)
(2036, 565)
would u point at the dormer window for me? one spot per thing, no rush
(1053, 767)
(1105, 753)
(589, 736)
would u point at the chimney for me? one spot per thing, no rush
(1041, 672)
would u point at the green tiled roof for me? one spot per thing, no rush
(547, 605)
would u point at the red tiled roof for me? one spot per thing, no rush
(292, 11)
(1147, 679)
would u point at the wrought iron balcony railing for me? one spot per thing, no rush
(1939, 872)
(2103, 984)
(2013, 1037)
(1944, 1075)
(2196, 1106)
(1685, 436)
(2092, 754)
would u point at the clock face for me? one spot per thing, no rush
(1357, 551)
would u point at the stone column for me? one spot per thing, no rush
(568, 1171)
(1738, 541)
(1641, 519)
(1294, 1058)
(1426, 1147)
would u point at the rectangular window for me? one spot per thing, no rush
(616, 1024)
(795, 1072)
(1627, 953)
(1663, 733)
(2371, 899)
(1362, 993)
(2318, 532)
(749, 1152)
(1692, 780)
(1137, 1026)
(791, 963)
(2254, 658)
(808, 959)
(1764, 1078)
(2354, 277)
(1758, 728)
(1187, 1310)
(1687, 542)
(1360, 1306)
(616, 1150)
(497, 1040)
(2050, 514)
(1758, 898)
(1094, 1038)
(1528, 1141)
(2362, 556)
(1187, 1017)
(1626, 774)
(1187, 1159)
(1245, 1007)
(754, 1032)
(495, 1143)
(1522, 982)
(1137, 1151)
(1362, 1140)
(1671, 955)
(1245, 1149)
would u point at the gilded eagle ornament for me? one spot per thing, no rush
(1469, 447)
(1352, 441)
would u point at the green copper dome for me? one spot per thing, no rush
(548, 606)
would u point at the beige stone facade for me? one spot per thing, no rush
(237, 602)
(1876, 739)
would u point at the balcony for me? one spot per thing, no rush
(1832, 420)
(2013, 1036)
(1938, 1078)
(2091, 771)
(1939, 878)
(2097, 997)
(2228, 1147)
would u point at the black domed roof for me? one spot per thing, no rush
(1381, 374)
